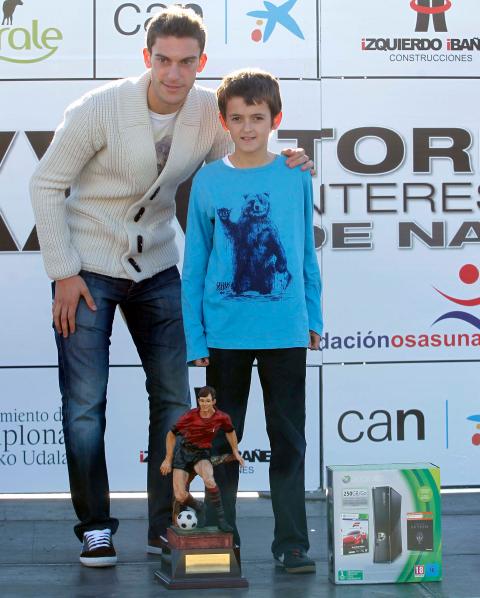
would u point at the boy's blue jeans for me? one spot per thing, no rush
(282, 375)
(152, 311)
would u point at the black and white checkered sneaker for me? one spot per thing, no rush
(98, 550)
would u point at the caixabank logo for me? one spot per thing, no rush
(130, 18)
(25, 36)
(428, 16)
(276, 35)
(273, 16)
(476, 435)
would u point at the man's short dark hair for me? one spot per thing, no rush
(253, 86)
(205, 391)
(176, 22)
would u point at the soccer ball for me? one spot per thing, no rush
(187, 520)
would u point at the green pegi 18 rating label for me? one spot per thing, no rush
(350, 575)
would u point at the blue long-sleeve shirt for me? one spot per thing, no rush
(250, 276)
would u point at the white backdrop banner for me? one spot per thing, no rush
(402, 413)
(24, 136)
(400, 215)
(397, 222)
(32, 450)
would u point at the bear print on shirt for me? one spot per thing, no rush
(259, 261)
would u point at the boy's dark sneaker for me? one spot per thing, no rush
(223, 525)
(295, 560)
(158, 545)
(98, 550)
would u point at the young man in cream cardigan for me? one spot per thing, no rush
(123, 149)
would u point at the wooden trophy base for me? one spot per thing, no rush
(202, 558)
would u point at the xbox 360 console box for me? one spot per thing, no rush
(384, 523)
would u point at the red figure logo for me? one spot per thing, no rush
(431, 10)
(435, 9)
(468, 274)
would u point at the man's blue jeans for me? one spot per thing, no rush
(153, 315)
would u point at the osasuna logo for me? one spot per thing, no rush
(32, 41)
(431, 10)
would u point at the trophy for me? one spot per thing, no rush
(193, 555)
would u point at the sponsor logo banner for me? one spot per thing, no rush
(280, 36)
(384, 413)
(398, 222)
(32, 446)
(405, 38)
(41, 40)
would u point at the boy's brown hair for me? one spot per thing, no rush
(176, 22)
(253, 86)
(205, 391)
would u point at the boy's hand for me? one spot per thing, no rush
(166, 466)
(298, 157)
(201, 363)
(314, 344)
(239, 458)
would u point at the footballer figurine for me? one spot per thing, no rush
(191, 455)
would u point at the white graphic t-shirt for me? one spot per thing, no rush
(162, 125)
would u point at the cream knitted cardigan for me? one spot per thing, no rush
(118, 218)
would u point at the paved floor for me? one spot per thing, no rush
(39, 555)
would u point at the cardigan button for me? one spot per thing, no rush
(155, 193)
(134, 264)
(139, 214)
(139, 243)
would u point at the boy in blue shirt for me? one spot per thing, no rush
(251, 290)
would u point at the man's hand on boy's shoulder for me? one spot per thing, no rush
(298, 157)
(202, 362)
(314, 344)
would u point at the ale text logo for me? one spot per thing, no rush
(31, 41)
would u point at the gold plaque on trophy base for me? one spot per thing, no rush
(203, 558)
